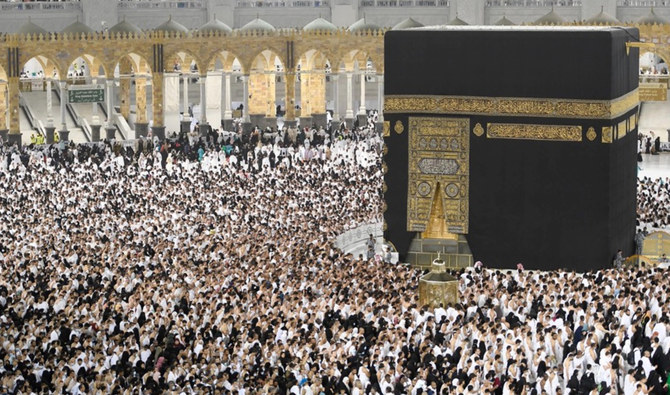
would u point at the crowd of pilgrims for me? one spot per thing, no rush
(207, 267)
(653, 196)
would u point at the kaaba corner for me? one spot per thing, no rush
(522, 140)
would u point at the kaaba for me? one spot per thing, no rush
(523, 138)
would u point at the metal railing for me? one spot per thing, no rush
(121, 125)
(42, 6)
(643, 3)
(534, 3)
(37, 126)
(161, 4)
(79, 122)
(86, 127)
(284, 4)
(405, 3)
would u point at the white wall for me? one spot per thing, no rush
(151, 18)
(391, 16)
(530, 14)
(51, 20)
(148, 14)
(280, 17)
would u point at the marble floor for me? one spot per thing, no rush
(654, 166)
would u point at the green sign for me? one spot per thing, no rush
(86, 95)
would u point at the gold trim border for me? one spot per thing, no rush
(520, 131)
(512, 106)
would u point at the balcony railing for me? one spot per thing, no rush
(404, 3)
(161, 4)
(534, 3)
(41, 6)
(643, 3)
(283, 4)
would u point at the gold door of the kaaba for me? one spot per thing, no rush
(439, 157)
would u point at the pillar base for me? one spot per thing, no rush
(379, 127)
(95, 133)
(14, 138)
(185, 126)
(50, 134)
(291, 124)
(158, 131)
(205, 128)
(305, 122)
(362, 119)
(320, 120)
(257, 120)
(3, 134)
(270, 122)
(110, 133)
(141, 129)
(64, 135)
(228, 125)
(246, 125)
(349, 122)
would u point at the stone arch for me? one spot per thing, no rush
(93, 64)
(347, 61)
(186, 56)
(48, 66)
(227, 59)
(249, 62)
(137, 62)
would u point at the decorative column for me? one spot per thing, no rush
(124, 83)
(172, 102)
(350, 112)
(270, 100)
(141, 122)
(203, 98)
(204, 125)
(158, 127)
(13, 71)
(50, 120)
(305, 98)
(289, 118)
(63, 133)
(49, 128)
(317, 100)
(245, 111)
(109, 128)
(14, 135)
(94, 108)
(95, 120)
(227, 112)
(185, 126)
(362, 116)
(361, 109)
(187, 116)
(3, 111)
(257, 98)
(213, 92)
(305, 105)
(336, 101)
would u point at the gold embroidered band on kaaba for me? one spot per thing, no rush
(534, 132)
(512, 106)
